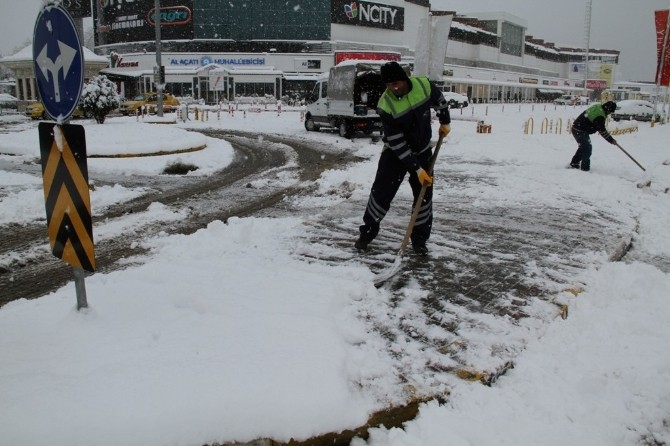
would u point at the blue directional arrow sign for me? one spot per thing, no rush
(58, 62)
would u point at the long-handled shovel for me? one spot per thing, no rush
(644, 183)
(386, 275)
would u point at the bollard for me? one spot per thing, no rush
(545, 126)
(528, 126)
(559, 126)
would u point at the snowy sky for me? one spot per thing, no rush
(623, 25)
(271, 327)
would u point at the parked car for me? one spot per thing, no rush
(36, 111)
(455, 100)
(566, 99)
(7, 101)
(150, 100)
(634, 109)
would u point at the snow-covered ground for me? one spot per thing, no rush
(229, 335)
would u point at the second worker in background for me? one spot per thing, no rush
(405, 111)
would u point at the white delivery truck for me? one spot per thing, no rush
(347, 98)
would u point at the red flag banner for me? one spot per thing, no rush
(662, 43)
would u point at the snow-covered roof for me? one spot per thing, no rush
(125, 72)
(26, 54)
(468, 28)
(304, 76)
(543, 48)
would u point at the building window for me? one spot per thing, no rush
(511, 41)
(254, 89)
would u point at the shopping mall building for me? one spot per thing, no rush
(223, 49)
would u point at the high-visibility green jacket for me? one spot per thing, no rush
(407, 119)
(593, 120)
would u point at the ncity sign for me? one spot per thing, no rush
(373, 15)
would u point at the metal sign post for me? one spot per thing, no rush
(159, 78)
(59, 73)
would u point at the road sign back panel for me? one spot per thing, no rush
(66, 194)
(58, 62)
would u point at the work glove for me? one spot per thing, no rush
(424, 178)
(444, 130)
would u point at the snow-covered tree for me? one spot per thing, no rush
(99, 98)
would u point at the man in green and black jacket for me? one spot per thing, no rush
(586, 124)
(405, 111)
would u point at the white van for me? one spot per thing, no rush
(347, 99)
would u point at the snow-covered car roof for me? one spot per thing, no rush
(454, 95)
(5, 97)
(634, 107)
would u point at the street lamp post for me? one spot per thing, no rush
(158, 74)
(587, 38)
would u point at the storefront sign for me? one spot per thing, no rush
(596, 84)
(307, 64)
(374, 15)
(120, 21)
(177, 15)
(117, 61)
(341, 56)
(206, 60)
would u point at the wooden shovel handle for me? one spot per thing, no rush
(419, 200)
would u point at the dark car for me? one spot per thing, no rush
(455, 100)
(7, 101)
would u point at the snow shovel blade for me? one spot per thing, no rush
(389, 273)
(386, 275)
(644, 183)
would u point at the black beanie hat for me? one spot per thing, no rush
(393, 72)
(609, 107)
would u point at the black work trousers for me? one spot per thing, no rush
(390, 175)
(582, 157)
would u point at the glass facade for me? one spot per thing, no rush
(261, 19)
(511, 39)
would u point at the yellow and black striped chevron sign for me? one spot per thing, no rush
(66, 195)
